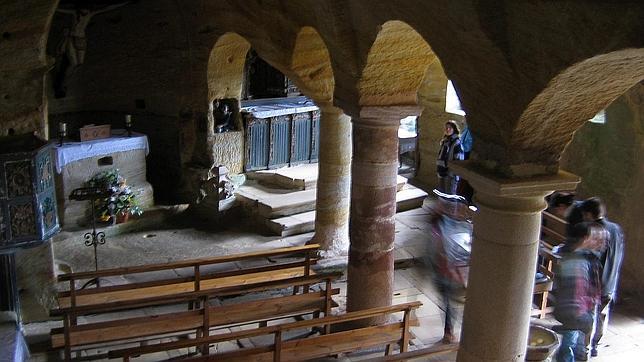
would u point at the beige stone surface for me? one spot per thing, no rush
(35, 280)
(228, 150)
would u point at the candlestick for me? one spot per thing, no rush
(62, 132)
(128, 124)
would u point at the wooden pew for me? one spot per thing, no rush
(198, 320)
(553, 233)
(300, 348)
(198, 281)
(542, 288)
(77, 302)
(553, 230)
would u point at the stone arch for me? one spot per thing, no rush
(396, 66)
(570, 99)
(225, 75)
(402, 69)
(311, 63)
(226, 67)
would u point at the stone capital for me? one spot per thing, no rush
(496, 185)
(327, 108)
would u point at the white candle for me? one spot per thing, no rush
(128, 120)
(62, 127)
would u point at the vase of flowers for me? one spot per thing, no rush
(122, 201)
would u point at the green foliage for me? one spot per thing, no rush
(122, 198)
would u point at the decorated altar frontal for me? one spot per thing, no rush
(77, 162)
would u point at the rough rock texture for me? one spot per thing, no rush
(228, 150)
(431, 95)
(23, 65)
(35, 280)
(610, 159)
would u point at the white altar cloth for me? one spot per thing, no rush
(273, 107)
(119, 142)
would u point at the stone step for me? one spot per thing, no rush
(292, 224)
(292, 203)
(301, 177)
(270, 203)
(408, 198)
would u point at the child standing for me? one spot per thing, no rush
(578, 287)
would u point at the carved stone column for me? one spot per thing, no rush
(373, 206)
(503, 262)
(334, 183)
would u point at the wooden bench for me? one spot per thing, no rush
(300, 348)
(197, 320)
(197, 281)
(76, 302)
(553, 230)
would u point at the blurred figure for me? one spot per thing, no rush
(448, 252)
(577, 288)
(450, 149)
(611, 259)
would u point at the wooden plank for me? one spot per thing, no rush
(424, 352)
(554, 223)
(315, 347)
(192, 342)
(264, 309)
(330, 344)
(340, 342)
(188, 263)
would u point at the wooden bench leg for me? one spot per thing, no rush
(544, 304)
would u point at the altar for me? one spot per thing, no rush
(77, 162)
(280, 132)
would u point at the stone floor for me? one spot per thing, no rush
(175, 241)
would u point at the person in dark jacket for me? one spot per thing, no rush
(611, 260)
(450, 149)
(577, 288)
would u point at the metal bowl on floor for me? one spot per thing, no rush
(542, 343)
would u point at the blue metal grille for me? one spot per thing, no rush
(301, 141)
(257, 143)
(280, 144)
(315, 136)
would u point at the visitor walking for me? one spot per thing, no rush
(611, 259)
(577, 288)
